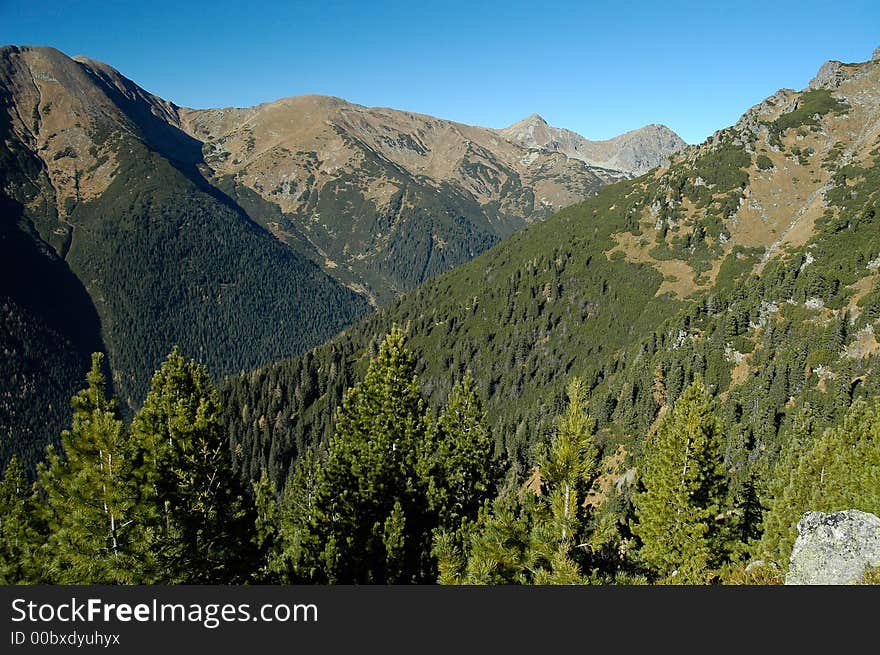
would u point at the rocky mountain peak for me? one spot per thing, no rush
(634, 152)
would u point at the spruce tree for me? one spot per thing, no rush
(679, 512)
(370, 503)
(93, 513)
(202, 520)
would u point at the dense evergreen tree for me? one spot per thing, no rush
(92, 508)
(458, 459)
(201, 518)
(835, 471)
(297, 558)
(680, 511)
(371, 499)
(532, 536)
(566, 470)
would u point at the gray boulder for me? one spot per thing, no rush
(834, 549)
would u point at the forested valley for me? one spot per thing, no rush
(652, 386)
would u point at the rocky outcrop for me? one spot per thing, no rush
(834, 549)
(829, 76)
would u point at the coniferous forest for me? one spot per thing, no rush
(403, 492)
(652, 386)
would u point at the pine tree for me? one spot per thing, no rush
(566, 470)
(268, 520)
(202, 521)
(298, 557)
(685, 491)
(458, 459)
(370, 502)
(498, 546)
(839, 470)
(532, 537)
(92, 510)
(15, 534)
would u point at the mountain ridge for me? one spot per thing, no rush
(113, 241)
(635, 151)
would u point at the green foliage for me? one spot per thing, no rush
(755, 573)
(267, 529)
(48, 324)
(547, 304)
(379, 490)
(534, 537)
(201, 520)
(369, 502)
(724, 167)
(680, 513)
(809, 105)
(160, 257)
(15, 538)
(297, 555)
(498, 549)
(567, 469)
(198, 273)
(763, 162)
(459, 459)
(836, 471)
(94, 517)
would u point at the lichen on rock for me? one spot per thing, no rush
(834, 549)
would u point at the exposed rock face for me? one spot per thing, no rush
(635, 152)
(834, 549)
(829, 76)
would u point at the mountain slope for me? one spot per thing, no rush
(635, 152)
(384, 199)
(751, 261)
(112, 239)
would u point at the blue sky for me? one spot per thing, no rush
(599, 68)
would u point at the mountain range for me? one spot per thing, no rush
(130, 224)
(427, 369)
(636, 152)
